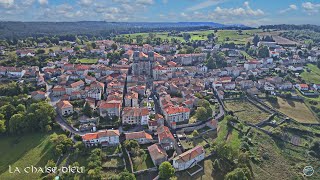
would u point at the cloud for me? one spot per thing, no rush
(205, 4)
(246, 11)
(85, 2)
(311, 8)
(291, 7)
(43, 2)
(145, 2)
(165, 1)
(6, 3)
(28, 2)
(236, 15)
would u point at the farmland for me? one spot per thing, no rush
(294, 109)
(222, 35)
(313, 76)
(246, 111)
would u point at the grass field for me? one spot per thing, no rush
(23, 151)
(284, 161)
(246, 111)
(232, 35)
(294, 109)
(246, 55)
(142, 162)
(113, 162)
(87, 61)
(191, 144)
(313, 76)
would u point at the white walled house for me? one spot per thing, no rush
(135, 115)
(142, 137)
(65, 108)
(189, 158)
(103, 137)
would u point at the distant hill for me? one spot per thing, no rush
(292, 27)
(100, 28)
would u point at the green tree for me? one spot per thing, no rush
(201, 114)
(114, 46)
(51, 163)
(211, 64)
(94, 173)
(131, 145)
(21, 108)
(225, 151)
(62, 143)
(43, 114)
(2, 126)
(186, 36)
(87, 110)
(16, 123)
(77, 48)
(126, 176)
(8, 111)
(238, 174)
(166, 170)
(255, 40)
(197, 50)
(263, 52)
(139, 39)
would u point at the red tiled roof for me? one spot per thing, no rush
(64, 104)
(90, 136)
(304, 85)
(163, 133)
(135, 111)
(110, 104)
(34, 93)
(99, 134)
(156, 152)
(138, 135)
(175, 110)
(189, 155)
(78, 83)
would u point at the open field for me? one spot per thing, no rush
(87, 61)
(279, 160)
(24, 151)
(193, 143)
(275, 35)
(246, 111)
(313, 76)
(294, 109)
(223, 35)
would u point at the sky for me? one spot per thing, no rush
(247, 12)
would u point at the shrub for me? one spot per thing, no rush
(312, 102)
(77, 137)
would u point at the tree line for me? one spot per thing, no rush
(19, 114)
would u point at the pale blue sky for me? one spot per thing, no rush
(248, 12)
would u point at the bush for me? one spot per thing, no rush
(272, 98)
(312, 102)
(195, 133)
(265, 156)
(77, 137)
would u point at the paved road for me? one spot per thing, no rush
(63, 124)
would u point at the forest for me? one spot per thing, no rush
(16, 30)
